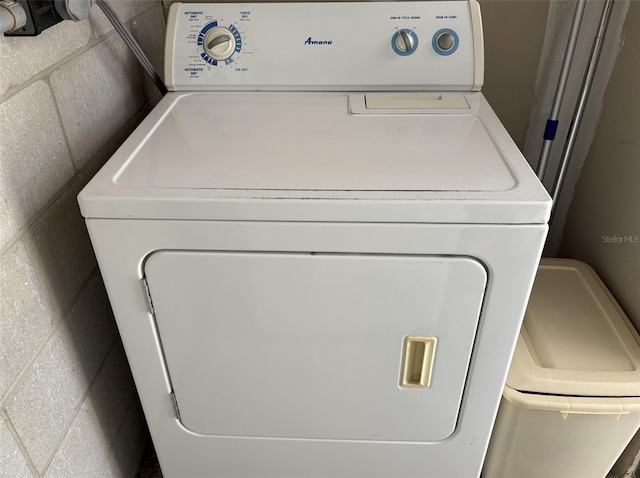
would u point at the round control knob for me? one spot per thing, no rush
(404, 42)
(446, 41)
(219, 43)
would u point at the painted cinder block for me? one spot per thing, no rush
(60, 247)
(25, 317)
(68, 405)
(112, 392)
(35, 160)
(96, 94)
(130, 443)
(87, 448)
(12, 461)
(24, 57)
(125, 11)
(84, 451)
(145, 28)
(49, 394)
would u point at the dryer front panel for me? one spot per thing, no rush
(321, 346)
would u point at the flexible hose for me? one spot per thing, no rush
(132, 44)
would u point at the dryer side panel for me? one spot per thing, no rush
(305, 345)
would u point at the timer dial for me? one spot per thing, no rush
(219, 43)
(404, 42)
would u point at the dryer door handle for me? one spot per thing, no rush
(417, 363)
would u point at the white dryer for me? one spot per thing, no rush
(319, 246)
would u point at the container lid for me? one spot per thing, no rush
(575, 339)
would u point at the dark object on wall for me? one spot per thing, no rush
(41, 14)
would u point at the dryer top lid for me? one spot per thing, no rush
(272, 149)
(311, 142)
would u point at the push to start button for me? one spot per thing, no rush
(445, 42)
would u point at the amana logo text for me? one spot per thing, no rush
(309, 41)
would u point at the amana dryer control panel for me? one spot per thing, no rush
(403, 45)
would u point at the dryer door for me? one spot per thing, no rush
(306, 345)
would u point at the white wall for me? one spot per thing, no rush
(514, 33)
(68, 98)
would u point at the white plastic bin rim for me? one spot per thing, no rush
(575, 339)
(567, 404)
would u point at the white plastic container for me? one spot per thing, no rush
(572, 399)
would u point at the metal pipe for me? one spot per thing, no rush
(12, 16)
(552, 122)
(582, 102)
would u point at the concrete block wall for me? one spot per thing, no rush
(68, 98)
